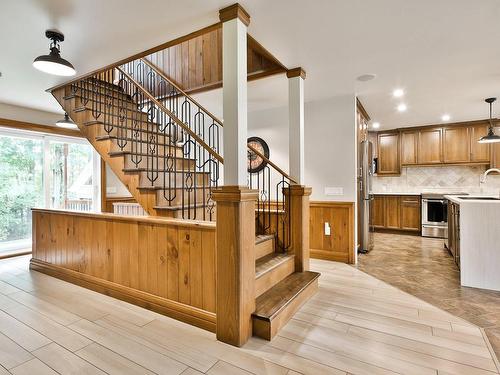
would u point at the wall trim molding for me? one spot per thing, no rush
(185, 313)
(39, 128)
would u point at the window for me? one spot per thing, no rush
(43, 171)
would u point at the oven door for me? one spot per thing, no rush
(434, 212)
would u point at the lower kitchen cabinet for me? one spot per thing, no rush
(396, 212)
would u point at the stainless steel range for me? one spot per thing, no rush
(435, 214)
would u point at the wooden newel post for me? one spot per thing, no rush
(235, 263)
(298, 196)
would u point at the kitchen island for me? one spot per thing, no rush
(478, 240)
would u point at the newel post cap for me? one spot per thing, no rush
(234, 11)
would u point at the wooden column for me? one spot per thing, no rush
(298, 196)
(234, 93)
(296, 79)
(235, 235)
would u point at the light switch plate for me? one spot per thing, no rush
(327, 228)
(334, 190)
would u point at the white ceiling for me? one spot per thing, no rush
(443, 53)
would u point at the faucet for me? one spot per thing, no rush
(482, 179)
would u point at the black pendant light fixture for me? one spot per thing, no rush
(491, 137)
(66, 123)
(53, 63)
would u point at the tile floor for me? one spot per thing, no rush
(422, 267)
(355, 324)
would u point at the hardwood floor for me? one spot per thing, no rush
(423, 268)
(356, 324)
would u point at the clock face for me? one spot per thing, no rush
(255, 162)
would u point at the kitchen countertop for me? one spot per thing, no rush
(457, 199)
(391, 193)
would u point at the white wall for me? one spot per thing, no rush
(330, 143)
(14, 112)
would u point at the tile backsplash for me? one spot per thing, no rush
(438, 179)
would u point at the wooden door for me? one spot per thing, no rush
(392, 212)
(410, 213)
(409, 141)
(378, 211)
(429, 146)
(388, 153)
(456, 144)
(479, 152)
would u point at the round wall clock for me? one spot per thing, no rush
(255, 162)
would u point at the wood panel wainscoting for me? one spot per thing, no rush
(339, 245)
(165, 265)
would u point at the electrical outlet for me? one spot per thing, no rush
(327, 228)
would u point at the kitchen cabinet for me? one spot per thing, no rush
(410, 213)
(388, 153)
(409, 145)
(456, 144)
(479, 152)
(430, 146)
(392, 212)
(495, 155)
(454, 231)
(378, 211)
(396, 212)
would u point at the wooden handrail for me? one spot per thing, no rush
(140, 55)
(283, 173)
(164, 76)
(174, 117)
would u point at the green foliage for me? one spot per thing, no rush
(21, 185)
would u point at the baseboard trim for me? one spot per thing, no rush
(179, 311)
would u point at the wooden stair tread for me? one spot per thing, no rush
(270, 262)
(270, 303)
(263, 237)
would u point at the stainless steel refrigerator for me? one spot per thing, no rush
(365, 197)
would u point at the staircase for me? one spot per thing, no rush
(165, 147)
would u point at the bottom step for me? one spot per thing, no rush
(277, 306)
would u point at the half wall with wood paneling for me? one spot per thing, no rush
(339, 245)
(165, 265)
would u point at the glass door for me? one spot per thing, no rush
(21, 188)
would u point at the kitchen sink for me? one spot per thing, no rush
(481, 198)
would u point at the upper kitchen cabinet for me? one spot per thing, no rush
(430, 146)
(456, 144)
(409, 146)
(388, 153)
(479, 152)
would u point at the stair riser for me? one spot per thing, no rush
(274, 276)
(143, 148)
(178, 180)
(180, 164)
(199, 214)
(189, 197)
(268, 329)
(264, 248)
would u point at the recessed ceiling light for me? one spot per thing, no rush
(402, 107)
(366, 77)
(398, 93)
(445, 117)
(376, 125)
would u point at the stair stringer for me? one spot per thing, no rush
(147, 199)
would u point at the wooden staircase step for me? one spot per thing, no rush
(264, 245)
(276, 307)
(271, 269)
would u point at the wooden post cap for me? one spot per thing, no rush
(234, 11)
(296, 72)
(234, 193)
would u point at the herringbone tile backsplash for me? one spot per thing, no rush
(445, 179)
